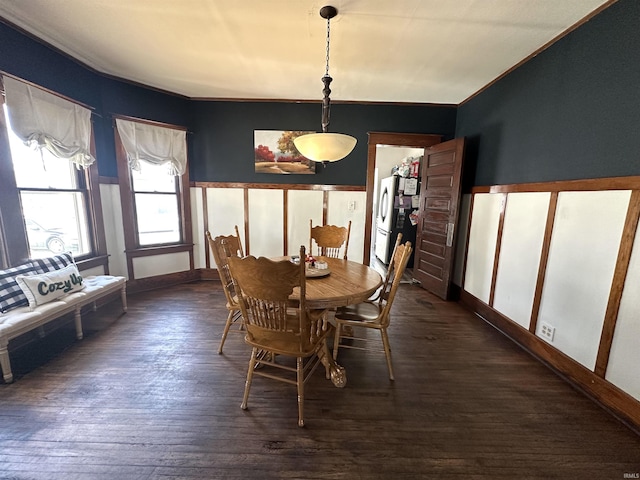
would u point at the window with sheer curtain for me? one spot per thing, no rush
(153, 183)
(49, 141)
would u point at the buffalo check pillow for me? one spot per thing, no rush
(44, 265)
(11, 295)
(45, 287)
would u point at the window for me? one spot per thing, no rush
(49, 187)
(53, 194)
(156, 200)
(154, 182)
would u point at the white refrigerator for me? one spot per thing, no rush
(393, 217)
(385, 218)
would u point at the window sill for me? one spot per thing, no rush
(97, 261)
(159, 250)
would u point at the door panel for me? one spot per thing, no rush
(439, 201)
(437, 250)
(439, 204)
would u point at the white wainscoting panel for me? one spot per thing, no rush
(225, 208)
(482, 244)
(302, 206)
(338, 213)
(266, 222)
(164, 264)
(197, 228)
(461, 239)
(522, 238)
(624, 357)
(114, 229)
(582, 256)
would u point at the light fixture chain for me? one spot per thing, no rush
(326, 72)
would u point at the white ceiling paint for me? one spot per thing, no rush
(422, 51)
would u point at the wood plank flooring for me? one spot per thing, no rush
(146, 396)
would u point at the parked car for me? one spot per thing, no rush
(56, 240)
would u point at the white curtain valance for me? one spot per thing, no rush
(44, 120)
(153, 144)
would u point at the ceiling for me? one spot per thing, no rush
(417, 51)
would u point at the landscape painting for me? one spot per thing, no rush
(275, 153)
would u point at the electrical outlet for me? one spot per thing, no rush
(547, 331)
(352, 206)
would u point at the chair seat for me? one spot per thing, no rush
(360, 312)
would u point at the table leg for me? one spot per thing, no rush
(337, 373)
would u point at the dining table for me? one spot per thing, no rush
(343, 282)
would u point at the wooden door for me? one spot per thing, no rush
(438, 216)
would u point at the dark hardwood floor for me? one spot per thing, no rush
(146, 396)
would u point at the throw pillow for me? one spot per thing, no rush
(44, 265)
(45, 287)
(11, 296)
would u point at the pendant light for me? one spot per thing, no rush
(325, 147)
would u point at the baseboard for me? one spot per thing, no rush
(611, 398)
(209, 274)
(161, 281)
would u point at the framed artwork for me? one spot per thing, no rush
(275, 153)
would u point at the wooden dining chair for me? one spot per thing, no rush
(222, 247)
(278, 327)
(329, 239)
(372, 314)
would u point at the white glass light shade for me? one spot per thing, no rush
(325, 147)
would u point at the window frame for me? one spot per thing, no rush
(133, 249)
(177, 194)
(14, 244)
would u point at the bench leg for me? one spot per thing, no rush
(123, 296)
(78, 319)
(4, 361)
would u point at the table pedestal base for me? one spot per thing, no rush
(337, 373)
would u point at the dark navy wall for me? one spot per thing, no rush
(223, 143)
(30, 60)
(572, 112)
(122, 98)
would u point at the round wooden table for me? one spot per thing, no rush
(349, 282)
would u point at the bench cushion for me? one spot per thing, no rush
(24, 319)
(94, 287)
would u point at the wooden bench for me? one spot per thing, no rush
(23, 319)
